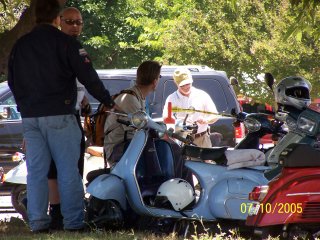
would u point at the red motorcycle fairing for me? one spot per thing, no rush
(293, 197)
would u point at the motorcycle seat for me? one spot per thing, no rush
(216, 154)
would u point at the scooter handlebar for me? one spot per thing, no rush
(177, 136)
(128, 123)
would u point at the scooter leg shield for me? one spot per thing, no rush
(108, 186)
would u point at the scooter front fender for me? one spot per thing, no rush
(108, 186)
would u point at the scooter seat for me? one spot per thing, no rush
(96, 173)
(214, 153)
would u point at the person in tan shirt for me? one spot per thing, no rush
(148, 74)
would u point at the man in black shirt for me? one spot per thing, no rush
(43, 67)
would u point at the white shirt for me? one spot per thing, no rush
(80, 94)
(198, 99)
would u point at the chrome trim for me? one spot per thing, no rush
(302, 194)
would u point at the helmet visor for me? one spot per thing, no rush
(298, 92)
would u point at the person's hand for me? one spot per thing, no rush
(85, 106)
(85, 101)
(85, 110)
(202, 121)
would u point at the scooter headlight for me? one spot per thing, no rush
(306, 125)
(139, 119)
(252, 124)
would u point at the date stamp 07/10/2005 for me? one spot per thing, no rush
(268, 208)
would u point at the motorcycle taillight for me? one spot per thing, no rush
(258, 193)
(239, 132)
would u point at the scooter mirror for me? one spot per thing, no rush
(234, 81)
(269, 79)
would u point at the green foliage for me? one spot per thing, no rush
(10, 12)
(107, 35)
(245, 38)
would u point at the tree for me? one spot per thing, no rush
(245, 38)
(107, 35)
(17, 19)
(244, 42)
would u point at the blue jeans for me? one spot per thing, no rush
(58, 138)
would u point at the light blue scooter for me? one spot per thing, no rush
(223, 193)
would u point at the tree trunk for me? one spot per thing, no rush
(8, 38)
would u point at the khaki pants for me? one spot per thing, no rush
(203, 141)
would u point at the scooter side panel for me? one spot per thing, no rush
(108, 186)
(225, 190)
(232, 194)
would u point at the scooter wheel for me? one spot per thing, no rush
(104, 213)
(19, 200)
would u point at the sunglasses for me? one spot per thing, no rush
(72, 22)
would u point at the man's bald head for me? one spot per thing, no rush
(71, 21)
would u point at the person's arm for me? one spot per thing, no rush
(165, 108)
(86, 74)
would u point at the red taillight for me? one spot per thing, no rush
(239, 131)
(258, 193)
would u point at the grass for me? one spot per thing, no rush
(15, 228)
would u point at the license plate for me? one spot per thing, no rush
(254, 209)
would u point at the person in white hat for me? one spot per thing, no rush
(186, 97)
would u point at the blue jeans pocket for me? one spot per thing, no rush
(60, 122)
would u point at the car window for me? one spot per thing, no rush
(9, 112)
(8, 107)
(114, 86)
(216, 92)
(9, 101)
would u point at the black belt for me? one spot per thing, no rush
(197, 135)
